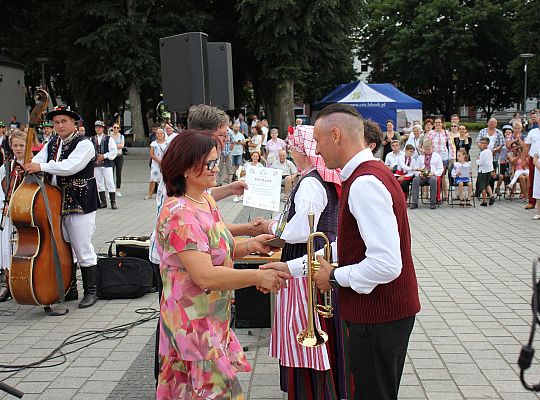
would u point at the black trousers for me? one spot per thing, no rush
(118, 163)
(160, 291)
(377, 356)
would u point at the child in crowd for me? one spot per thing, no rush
(15, 171)
(461, 172)
(485, 168)
(536, 184)
(405, 169)
(520, 170)
(157, 149)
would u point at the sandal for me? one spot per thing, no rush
(461, 203)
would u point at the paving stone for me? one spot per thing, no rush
(475, 312)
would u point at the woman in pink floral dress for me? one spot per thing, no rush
(199, 353)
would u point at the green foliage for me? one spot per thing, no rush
(445, 52)
(308, 42)
(525, 28)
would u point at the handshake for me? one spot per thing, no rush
(321, 277)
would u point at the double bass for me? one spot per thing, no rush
(41, 268)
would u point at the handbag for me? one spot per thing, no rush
(123, 277)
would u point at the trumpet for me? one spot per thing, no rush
(312, 336)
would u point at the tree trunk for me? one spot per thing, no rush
(279, 105)
(136, 111)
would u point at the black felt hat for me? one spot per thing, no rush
(63, 110)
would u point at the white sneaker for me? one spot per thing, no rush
(536, 217)
(118, 194)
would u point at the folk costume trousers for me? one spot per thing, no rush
(78, 230)
(105, 179)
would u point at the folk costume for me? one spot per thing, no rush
(103, 170)
(14, 169)
(375, 278)
(69, 164)
(309, 373)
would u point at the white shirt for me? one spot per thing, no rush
(265, 135)
(402, 165)
(533, 137)
(76, 161)
(310, 196)
(169, 138)
(392, 159)
(287, 167)
(485, 161)
(416, 142)
(436, 164)
(371, 204)
(112, 153)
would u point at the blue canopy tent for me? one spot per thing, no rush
(377, 101)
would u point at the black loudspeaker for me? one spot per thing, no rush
(220, 75)
(184, 70)
(252, 308)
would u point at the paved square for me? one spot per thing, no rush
(473, 268)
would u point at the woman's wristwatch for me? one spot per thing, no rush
(332, 280)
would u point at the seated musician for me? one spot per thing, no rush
(67, 160)
(11, 177)
(405, 169)
(393, 157)
(428, 168)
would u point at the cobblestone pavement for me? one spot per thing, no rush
(473, 268)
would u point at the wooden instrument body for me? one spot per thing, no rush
(33, 276)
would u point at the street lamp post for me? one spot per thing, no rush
(526, 56)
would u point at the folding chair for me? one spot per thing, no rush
(453, 188)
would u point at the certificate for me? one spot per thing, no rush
(264, 188)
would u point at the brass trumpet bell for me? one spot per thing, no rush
(312, 336)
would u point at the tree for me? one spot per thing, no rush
(293, 40)
(526, 20)
(446, 52)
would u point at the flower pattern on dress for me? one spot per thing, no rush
(199, 353)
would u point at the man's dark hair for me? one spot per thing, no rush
(372, 134)
(338, 108)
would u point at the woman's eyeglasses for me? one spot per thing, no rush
(116, 127)
(454, 126)
(210, 165)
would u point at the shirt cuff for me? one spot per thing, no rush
(342, 276)
(296, 267)
(43, 167)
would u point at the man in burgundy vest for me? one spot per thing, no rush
(375, 280)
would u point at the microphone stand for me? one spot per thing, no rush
(11, 390)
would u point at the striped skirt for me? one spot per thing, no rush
(309, 373)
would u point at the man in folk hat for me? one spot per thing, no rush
(103, 165)
(68, 157)
(47, 132)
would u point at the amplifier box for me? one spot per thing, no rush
(133, 246)
(252, 308)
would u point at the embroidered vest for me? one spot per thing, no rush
(394, 300)
(327, 223)
(79, 191)
(102, 148)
